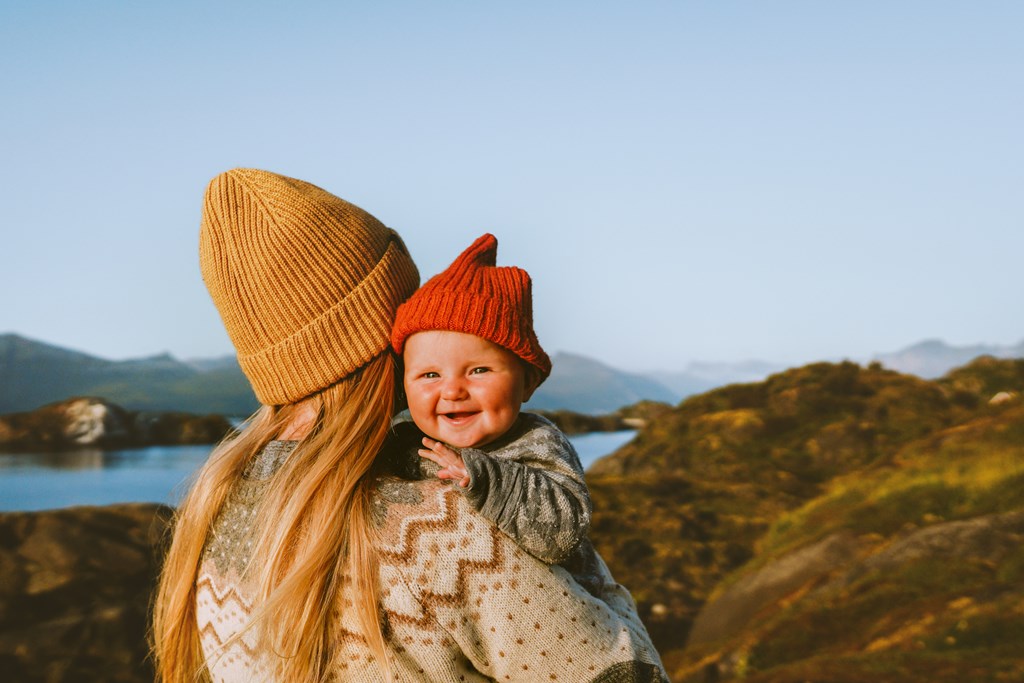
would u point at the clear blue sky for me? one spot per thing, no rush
(684, 180)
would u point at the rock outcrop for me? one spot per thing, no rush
(95, 423)
(731, 611)
(833, 564)
(75, 586)
(955, 612)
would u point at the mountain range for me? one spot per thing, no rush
(33, 373)
(933, 358)
(585, 385)
(700, 376)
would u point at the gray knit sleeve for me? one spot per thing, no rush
(533, 489)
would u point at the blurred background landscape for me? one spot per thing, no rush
(775, 259)
(831, 522)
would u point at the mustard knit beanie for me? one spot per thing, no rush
(307, 284)
(476, 296)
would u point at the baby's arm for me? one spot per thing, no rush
(533, 489)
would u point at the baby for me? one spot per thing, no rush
(471, 359)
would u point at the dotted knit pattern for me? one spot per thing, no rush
(462, 602)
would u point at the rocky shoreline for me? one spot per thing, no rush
(87, 422)
(634, 416)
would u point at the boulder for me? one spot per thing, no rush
(75, 586)
(729, 612)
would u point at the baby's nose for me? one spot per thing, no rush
(453, 389)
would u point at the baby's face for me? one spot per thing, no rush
(462, 389)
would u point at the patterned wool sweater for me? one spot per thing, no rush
(529, 482)
(462, 602)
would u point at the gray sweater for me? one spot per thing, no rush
(529, 483)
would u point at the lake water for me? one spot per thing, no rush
(40, 481)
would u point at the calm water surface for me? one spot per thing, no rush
(39, 481)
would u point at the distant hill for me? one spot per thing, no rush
(699, 377)
(585, 385)
(832, 523)
(210, 364)
(934, 358)
(33, 374)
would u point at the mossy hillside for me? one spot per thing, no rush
(951, 608)
(808, 452)
(983, 378)
(951, 617)
(792, 431)
(669, 540)
(972, 469)
(703, 482)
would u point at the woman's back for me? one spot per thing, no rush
(460, 601)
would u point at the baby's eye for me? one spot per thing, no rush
(430, 375)
(479, 371)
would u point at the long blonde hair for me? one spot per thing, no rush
(316, 527)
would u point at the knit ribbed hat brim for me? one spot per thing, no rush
(306, 283)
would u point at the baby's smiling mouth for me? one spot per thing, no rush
(458, 417)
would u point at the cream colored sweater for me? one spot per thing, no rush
(462, 601)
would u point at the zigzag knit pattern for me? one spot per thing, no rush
(462, 603)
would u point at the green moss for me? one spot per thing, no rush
(892, 511)
(896, 666)
(991, 633)
(1007, 494)
(1011, 569)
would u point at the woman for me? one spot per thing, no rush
(296, 556)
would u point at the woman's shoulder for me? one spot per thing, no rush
(428, 530)
(442, 563)
(431, 540)
(417, 518)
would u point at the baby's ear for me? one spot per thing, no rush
(531, 380)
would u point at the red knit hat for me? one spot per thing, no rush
(476, 297)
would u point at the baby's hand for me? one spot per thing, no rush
(451, 463)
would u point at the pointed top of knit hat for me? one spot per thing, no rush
(306, 283)
(475, 296)
(483, 252)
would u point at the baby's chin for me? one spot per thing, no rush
(469, 444)
(462, 443)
